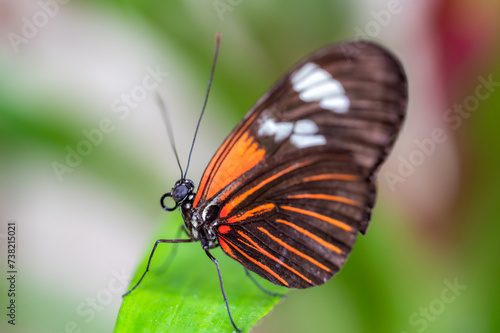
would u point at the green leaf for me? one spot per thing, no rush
(182, 293)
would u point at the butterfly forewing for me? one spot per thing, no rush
(293, 183)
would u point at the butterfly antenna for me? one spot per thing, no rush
(217, 44)
(168, 125)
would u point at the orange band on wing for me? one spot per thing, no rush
(324, 197)
(236, 201)
(334, 222)
(258, 263)
(255, 246)
(294, 250)
(328, 176)
(227, 249)
(312, 236)
(237, 154)
(252, 212)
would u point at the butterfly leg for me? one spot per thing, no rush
(222, 288)
(170, 258)
(264, 290)
(151, 257)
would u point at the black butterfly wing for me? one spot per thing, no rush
(294, 182)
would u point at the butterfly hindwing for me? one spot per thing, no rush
(300, 219)
(293, 183)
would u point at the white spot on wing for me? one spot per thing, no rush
(338, 103)
(302, 134)
(323, 90)
(303, 141)
(301, 73)
(280, 131)
(305, 126)
(317, 85)
(316, 76)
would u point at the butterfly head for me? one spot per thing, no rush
(182, 190)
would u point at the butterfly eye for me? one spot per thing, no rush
(180, 192)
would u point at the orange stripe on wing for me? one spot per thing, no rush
(334, 222)
(256, 247)
(294, 250)
(227, 249)
(252, 212)
(243, 155)
(234, 144)
(258, 263)
(324, 197)
(327, 176)
(312, 236)
(236, 201)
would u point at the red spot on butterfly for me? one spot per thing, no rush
(223, 229)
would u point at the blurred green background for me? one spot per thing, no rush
(429, 262)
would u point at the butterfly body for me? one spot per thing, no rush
(199, 226)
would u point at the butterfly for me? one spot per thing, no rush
(293, 184)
